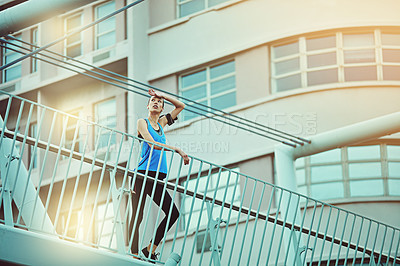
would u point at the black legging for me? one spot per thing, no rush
(166, 205)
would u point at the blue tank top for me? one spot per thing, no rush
(156, 154)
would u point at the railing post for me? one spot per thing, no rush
(212, 225)
(8, 216)
(286, 177)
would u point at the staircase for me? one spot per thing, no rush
(65, 199)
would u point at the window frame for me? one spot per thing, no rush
(340, 65)
(96, 35)
(209, 97)
(96, 128)
(4, 53)
(81, 35)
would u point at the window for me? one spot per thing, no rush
(187, 7)
(34, 42)
(214, 86)
(357, 171)
(226, 183)
(33, 133)
(105, 30)
(105, 114)
(15, 71)
(340, 57)
(72, 127)
(73, 44)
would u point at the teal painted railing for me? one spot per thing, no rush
(71, 179)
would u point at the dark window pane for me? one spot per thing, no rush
(194, 78)
(223, 85)
(191, 7)
(224, 101)
(195, 93)
(223, 69)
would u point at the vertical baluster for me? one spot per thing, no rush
(31, 167)
(375, 238)
(274, 226)
(238, 219)
(292, 229)
(351, 235)
(122, 188)
(76, 187)
(301, 227)
(10, 156)
(397, 250)
(210, 217)
(325, 234)
(201, 212)
(358, 241)
(390, 247)
(383, 244)
(97, 146)
(229, 213)
(43, 166)
(366, 242)
(92, 218)
(333, 236)
(5, 119)
(109, 195)
(255, 224)
(309, 232)
(283, 226)
(341, 238)
(271, 199)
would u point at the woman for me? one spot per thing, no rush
(151, 129)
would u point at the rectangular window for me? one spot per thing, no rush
(34, 42)
(106, 115)
(105, 31)
(225, 186)
(187, 7)
(15, 71)
(73, 44)
(73, 128)
(214, 86)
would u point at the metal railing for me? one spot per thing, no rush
(76, 187)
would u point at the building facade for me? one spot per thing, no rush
(301, 67)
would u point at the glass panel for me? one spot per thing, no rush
(73, 22)
(194, 78)
(288, 83)
(393, 152)
(13, 73)
(390, 39)
(359, 56)
(74, 51)
(301, 176)
(365, 170)
(321, 43)
(327, 156)
(360, 73)
(391, 72)
(215, 2)
(364, 152)
(357, 40)
(285, 50)
(326, 173)
(394, 187)
(224, 101)
(196, 92)
(107, 25)
(319, 60)
(106, 40)
(223, 69)
(223, 85)
(287, 66)
(366, 188)
(322, 77)
(300, 162)
(394, 169)
(11, 57)
(74, 38)
(189, 115)
(191, 7)
(105, 9)
(391, 55)
(327, 190)
(105, 110)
